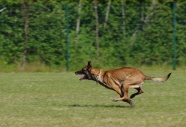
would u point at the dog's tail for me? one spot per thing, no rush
(163, 79)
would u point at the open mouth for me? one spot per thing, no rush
(82, 77)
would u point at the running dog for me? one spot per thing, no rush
(119, 80)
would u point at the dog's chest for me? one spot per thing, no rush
(101, 82)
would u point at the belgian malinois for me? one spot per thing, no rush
(119, 80)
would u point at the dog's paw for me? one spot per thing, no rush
(114, 100)
(131, 103)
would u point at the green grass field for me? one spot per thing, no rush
(61, 100)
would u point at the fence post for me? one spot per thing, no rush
(67, 32)
(174, 35)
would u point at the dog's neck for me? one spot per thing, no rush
(99, 77)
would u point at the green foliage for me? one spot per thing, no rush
(136, 33)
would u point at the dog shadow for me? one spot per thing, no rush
(99, 106)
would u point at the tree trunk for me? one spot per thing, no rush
(78, 22)
(1, 10)
(123, 15)
(145, 20)
(107, 13)
(97, 27)
(25, 11)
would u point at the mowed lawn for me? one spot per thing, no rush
(61, 100)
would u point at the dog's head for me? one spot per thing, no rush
(85, 71)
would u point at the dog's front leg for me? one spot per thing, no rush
(118, 90)
(125, 98)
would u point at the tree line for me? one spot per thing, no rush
(108, 32)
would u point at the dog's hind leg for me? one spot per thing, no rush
(139, 91)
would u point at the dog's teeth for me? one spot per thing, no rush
(81, 77)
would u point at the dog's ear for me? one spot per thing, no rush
(89, 64)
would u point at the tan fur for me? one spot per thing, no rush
(121, 80)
